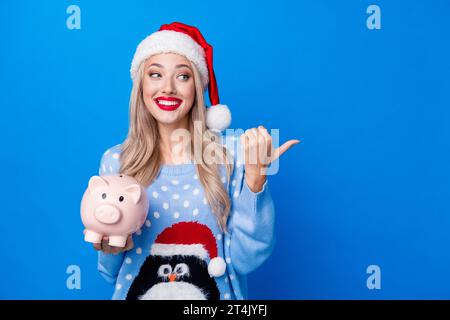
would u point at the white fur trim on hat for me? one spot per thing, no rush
(217, 267)
(218, 117)
(170, 41)
(161, 249)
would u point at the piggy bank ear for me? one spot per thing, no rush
(96, 182)
(134, 191)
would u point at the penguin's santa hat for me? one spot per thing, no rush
(187, 40)
(190, 239)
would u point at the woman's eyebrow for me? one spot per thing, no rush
(156, 65)
(176, 67)
(182, 65)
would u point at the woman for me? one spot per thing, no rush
(211, 219)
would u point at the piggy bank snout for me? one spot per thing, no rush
(107, 214)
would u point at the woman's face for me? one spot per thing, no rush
(168, 87)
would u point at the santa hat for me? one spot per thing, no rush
(187, 41)
(190, 239)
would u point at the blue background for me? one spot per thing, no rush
(369, 184)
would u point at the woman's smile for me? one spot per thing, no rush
(168, 103)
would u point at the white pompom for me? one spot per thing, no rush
(217, 267)
(218, 117)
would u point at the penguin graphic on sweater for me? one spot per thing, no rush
(176, 268)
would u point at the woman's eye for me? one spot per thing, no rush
(154, 75)
(103, 195)
(184, 77)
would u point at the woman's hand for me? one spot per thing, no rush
(259, 153)
(106, 248)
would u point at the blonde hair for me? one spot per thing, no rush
(141, 158)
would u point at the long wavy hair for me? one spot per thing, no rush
(141, 156)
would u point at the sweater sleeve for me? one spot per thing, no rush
(251, 221)
(109, 264)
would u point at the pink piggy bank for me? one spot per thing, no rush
(115, 206)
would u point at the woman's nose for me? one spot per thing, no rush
(169, 87)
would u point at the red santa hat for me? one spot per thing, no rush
(187, 41)
(190, 239)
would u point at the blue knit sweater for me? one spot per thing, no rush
(176, 195)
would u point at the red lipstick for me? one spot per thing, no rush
(168, 103)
